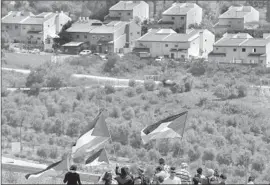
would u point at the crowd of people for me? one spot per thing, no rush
(163, 175)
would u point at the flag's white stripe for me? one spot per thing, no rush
(50, 172)
(162, 131)
(93, 143)
(96, 163)
(84, 139)
(102, 140)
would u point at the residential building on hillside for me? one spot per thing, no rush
(238, 18)
(168, 43)
(127, 10)
(180, 16)
(116, 36)
(36, 30)
(241, 48)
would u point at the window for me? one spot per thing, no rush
(216, 48)
(7, 27)
(138, 33)
(261, 61)
(183, 56)
(16, 27)
(173, 18)
(128, 13)
(243, 49)
(176, 46)
(166, 45)
(38, 38)
(234, 49)
(85, 36)
(61, 24)
(24, 27)
(119, 14)
(78, 36)
(182, 18)
(254, 50)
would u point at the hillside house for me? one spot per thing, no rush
(180, 16)
(168, 43)
(238, 18)
(128, 10)
(241, 48)
(115, 36)
(35, 30)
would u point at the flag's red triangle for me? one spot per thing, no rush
(178, 125)
(101, 128)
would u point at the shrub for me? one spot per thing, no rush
(221, 91)
(131, 83)
(163, 92)
(139, 90)
(130, 92)
(115, 112)
(128, 113)
(149, 85)
(109, 98)
(109, 89)
(43, 152)
(208, 155)
(194, 154)
(242, 91)
(259, 164)
(197, 69)
(111, 62)
(224, 158)
(54, 153)
(55, 82)
(178, 88)
(35, 89)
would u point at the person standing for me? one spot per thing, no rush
(72, 177)
(251, 180)
(172, 179)
(223, 179)
(184, 174)
(198, 178)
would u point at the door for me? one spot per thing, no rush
(172, 55)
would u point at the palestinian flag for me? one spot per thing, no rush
(97, 158)
(95, 137)
(51, 170)
(171, 127)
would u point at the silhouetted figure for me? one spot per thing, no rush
(72, 177)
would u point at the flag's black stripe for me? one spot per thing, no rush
(154, 126)
(49, 167)
(93, 157)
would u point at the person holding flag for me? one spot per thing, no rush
(72, 177)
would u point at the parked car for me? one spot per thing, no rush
(85, 52)
(35, 51)
(159, 59)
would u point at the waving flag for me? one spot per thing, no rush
(51, 170)
(97, 158)
(94, 139)
(171, 127)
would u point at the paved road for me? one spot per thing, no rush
(100, 79)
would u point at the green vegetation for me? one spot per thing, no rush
(218, 133)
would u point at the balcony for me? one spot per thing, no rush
(113, 18)
(165, 22)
